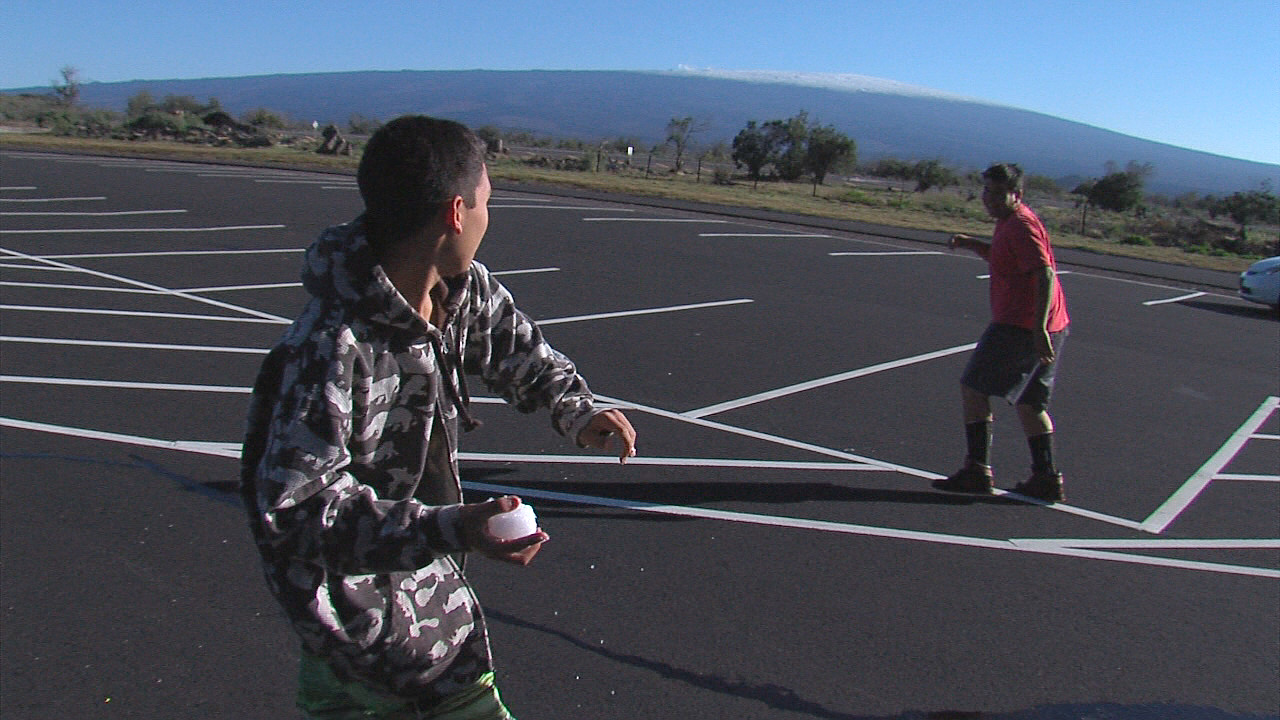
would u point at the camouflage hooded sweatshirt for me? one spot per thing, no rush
(349, 470)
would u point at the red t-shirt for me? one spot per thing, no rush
(1020, 248)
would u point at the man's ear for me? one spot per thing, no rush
(453, 213)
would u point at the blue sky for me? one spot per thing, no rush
(1202, 74)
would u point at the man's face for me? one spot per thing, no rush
(998, 201)
(462, 247)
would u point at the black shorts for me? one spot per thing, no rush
(1005, 364)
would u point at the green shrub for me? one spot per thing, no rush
(1140, 240)
(857, 197)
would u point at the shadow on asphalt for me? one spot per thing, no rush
(697, 493)
(782, 698)
(1256, 312)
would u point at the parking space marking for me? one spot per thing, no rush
(217, 449)
(596, 208)
(131, 345)
(1248, 478)
(124, 384)
(1154, 544)
(51, 200)
(643, 311)
(656, 220)
(894, 252)
(820, 382)
(1180, 500)
(108, 213)
(218, 228)
(1180, 298)
(667, 461)
(162, 253)
(766, 235)
(148, 286)
(143, 313)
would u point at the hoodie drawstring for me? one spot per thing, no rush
(455, 385)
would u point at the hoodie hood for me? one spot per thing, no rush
(340, 266)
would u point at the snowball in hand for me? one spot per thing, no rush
(515, 524)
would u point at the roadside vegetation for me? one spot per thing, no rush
(794, 165)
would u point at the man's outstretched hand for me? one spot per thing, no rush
(607, 426)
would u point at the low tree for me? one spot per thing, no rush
(358, 124)
(680, 132)
(140, 104)
(892, 168)
(68, 91)
(932, 173)
(826, 148)
(265, 119)
(184, 104)
(1043, 184)
(1118, 190)
(753, 148)
(790, 139)
(1247, 208)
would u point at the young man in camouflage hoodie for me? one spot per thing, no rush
(349, 471)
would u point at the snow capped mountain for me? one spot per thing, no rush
(845, 82)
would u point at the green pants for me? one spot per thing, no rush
(323, 696)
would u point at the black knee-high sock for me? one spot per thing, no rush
(978, 437)
(1042, 453)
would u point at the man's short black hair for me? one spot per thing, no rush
(1007, 176)
(411, 168)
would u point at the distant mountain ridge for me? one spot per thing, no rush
(885, 118)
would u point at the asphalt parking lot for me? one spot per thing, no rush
(775, 551)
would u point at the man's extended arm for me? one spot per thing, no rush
(507, 350)
(981, 248)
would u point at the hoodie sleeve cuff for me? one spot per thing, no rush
(447, 520)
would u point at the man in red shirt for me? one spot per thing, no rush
(1017, 356)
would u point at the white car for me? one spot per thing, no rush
(1261, 282)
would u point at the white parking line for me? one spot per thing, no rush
(1180, 298)
(667, 461)
(130, 345)
(142, 313)
(57, 199)
(820, 382)
(162, 253)
(644, 311)
(1153, 544)
(1191, 489)
(766, 235)
(874, 254)
(560, 207)
(1247, 478)
(122, 384)
(110, 213)
(525, 272)
(78, 231)
(656, 220)
(226, 450)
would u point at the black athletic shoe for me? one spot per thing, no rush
(972, 478)
(1042, 486)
